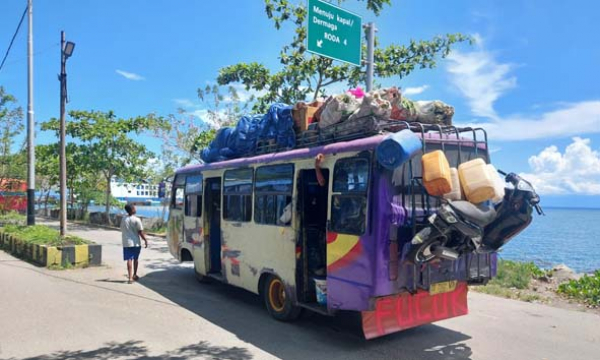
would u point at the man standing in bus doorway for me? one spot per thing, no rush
(131, 232)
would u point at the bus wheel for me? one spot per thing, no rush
(278, 301)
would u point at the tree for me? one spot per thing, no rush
(106, 145)
(190, 133)
(302, 75)
(12, 164)
(82, 174)
(11, 125)
(47, 170)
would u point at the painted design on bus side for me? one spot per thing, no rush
(194, 236)
(232, 256)
(175, 227)
(342, 250)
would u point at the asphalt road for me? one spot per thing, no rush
(94, 314)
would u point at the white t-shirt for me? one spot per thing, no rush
(130, 227)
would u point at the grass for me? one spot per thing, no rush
(512, 279)
(42, 235)
(159, 229)
(586, 289)
(517, 275)
(12, 217)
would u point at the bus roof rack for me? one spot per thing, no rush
(371, 126)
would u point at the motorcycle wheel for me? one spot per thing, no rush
(423, 253)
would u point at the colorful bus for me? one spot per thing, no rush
(328, 234)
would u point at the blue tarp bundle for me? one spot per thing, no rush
(230, 143)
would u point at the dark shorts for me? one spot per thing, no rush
(131, 253)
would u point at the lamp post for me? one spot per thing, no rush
(30, 121)
(65, 52)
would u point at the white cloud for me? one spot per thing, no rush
(480, 78)
(211, 118)
(414, 90)
(570, 120)
(576, 171)
(187, 103)
(130, 75)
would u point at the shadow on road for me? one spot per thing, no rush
(112, 281)
(137, 350)
(311, 337)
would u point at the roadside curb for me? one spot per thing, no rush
(74, 255)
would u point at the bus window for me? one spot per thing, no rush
(177, 195)
(193, 196)
(273, 194)
(237, 195)
(349, 199)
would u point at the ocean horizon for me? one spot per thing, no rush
(565, 235)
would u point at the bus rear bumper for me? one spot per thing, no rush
(403, 311)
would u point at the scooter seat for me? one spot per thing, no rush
(478, 214)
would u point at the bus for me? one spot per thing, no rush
(328, 234)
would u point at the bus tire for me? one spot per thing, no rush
(277, 300)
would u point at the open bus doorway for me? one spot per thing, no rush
(212, 204)
(312, 205)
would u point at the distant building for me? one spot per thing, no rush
(13, 195)
(137, 193)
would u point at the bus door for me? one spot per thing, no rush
(312, 202)
(175, 234)
(212, 222)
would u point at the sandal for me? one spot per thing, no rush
(136, 278)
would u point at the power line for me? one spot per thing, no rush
(43, 51)
(13, 38)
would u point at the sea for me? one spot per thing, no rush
(562, 236)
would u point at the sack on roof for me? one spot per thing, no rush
(276, 125)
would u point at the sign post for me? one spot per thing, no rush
(334, 32)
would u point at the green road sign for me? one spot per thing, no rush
(333, 32)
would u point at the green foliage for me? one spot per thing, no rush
(106, 146)
(587, 288)
(42, 235)
(188, 133)
(12, 164)
(302, 74)
(12, 217)
(159, 229)
(518, 275)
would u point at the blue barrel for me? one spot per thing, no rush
(397, 148)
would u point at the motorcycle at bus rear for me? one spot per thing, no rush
(460, 227)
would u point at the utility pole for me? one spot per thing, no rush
(63, 153)
(66, 50)
(30, 121)
(370, 27)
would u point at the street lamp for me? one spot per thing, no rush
(66, 52)
(68, 49)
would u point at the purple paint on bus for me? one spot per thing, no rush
(353, 286)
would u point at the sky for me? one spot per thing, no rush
(531, 78)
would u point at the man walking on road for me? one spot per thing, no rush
(131, 232)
